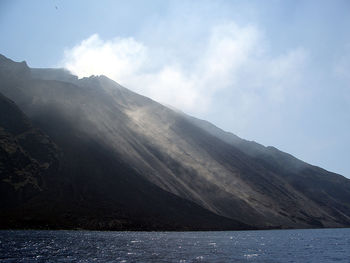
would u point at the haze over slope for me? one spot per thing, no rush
(117, 145)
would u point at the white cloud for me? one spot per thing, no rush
(118, 58)
(233, 59)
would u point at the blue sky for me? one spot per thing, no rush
(277, 72)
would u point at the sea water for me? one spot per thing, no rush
(319, 245)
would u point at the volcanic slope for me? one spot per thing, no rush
(107, 133)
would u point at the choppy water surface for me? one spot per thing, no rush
(327, 245)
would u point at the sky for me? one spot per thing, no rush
(276, 72)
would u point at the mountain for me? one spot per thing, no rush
(123, 161)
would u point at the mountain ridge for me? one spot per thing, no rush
(234, 179)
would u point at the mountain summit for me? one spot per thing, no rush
(92, 154)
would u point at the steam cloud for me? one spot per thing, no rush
(232, 59)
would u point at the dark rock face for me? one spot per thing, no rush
(27, 156)
(106, 158)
